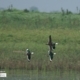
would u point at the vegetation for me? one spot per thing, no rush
(20, 30)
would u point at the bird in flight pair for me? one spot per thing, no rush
(50, 52)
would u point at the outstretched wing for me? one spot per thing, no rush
(51, 44)
(50, 40)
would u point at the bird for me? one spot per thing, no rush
(51, 55)
(28, 52)
(51, 44)
(51, 48)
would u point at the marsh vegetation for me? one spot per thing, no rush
(20, 30)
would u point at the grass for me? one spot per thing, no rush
(19, 30)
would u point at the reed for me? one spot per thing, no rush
(19, 30)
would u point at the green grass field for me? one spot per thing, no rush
(20, 30)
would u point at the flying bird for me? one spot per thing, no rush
(28, 52)
(51, 48)
(51, 55)
(51, 44)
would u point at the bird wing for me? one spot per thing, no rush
(50, 40)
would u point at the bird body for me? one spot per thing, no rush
(28, 54)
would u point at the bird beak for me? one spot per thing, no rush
(56, 43)
(54, 53)
(32, 52)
